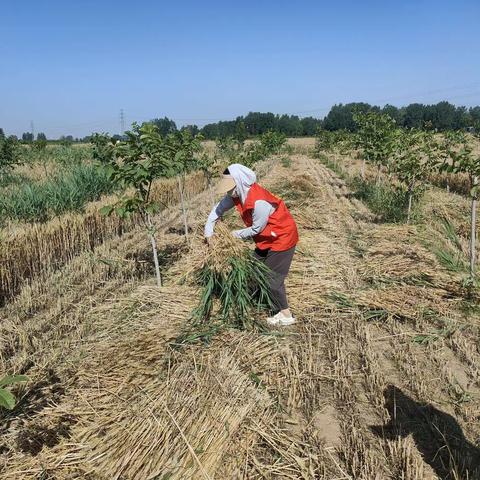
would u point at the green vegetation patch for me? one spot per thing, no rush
(68, 191)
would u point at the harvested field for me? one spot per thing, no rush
(379, 379)
(37, 250)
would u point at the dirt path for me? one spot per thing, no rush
(344, 394)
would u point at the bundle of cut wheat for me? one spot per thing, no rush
(233, 283)
(230, 274)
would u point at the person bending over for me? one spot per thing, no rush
(268, 222)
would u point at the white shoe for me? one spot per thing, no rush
(281, 320)
(285, 321)
(275, 319)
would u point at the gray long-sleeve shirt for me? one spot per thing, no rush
(262, 210)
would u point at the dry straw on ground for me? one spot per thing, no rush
(299, 403)
(140, 410)
(39, 249)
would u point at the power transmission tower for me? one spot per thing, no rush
(122, 122)
(32, 129)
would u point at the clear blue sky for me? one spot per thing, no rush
(71, 66)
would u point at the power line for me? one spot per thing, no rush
(417, 95)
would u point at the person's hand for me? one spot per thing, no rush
(235, 234)
(208, 241)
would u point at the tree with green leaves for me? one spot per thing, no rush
(135, 164)
(103, 148)
(2, 134)
(27, 137)
(376, 138)
(165, 126)
(240, 132)
(230, 148)
(393, 112)
(341, 117)
(66, 141)
(181, 147)
(310, 126)
(7, 399)
(414, 160)
(210, 166)
(464, 159)
(324, 141)
(273, 142)
(193, 129)
(447, 148)
(39, 146)
(9, 156)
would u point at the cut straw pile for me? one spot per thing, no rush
(138, 413)
(233, 283)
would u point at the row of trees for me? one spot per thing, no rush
(441, 116)
(410, 156)
(243, 127)
(146, 154)
(257, 123)
(28, 137)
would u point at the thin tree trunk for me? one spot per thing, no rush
(410, 195)
(154, 250)
(362, 171)
(184, 211)
(473, 231)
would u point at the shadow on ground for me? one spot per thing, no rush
(437, 435)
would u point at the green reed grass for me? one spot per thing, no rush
(69, 190)
(241, 291)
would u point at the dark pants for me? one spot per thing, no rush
(279, 264)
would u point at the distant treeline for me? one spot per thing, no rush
(28, 137)
(441, 116)
(256, 123)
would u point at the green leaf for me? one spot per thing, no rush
(11, 379)
(110, 171)
(121, 212)
(7, 400)
(152, 208)
(107, 210)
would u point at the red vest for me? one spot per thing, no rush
(280, 233)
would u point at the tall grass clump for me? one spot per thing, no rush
(69, 155)
(68, 191)
(449, 249)
(387, 201)
(234, 285)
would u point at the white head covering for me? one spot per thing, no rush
(244, 179)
